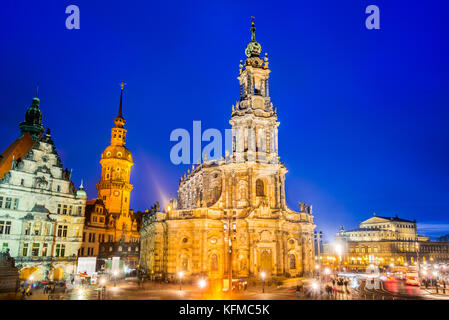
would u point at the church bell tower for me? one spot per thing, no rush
(114, 187)
(254, 121)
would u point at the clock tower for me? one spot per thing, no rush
(114, 187)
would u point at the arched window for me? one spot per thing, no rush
(214, 262)
(259, 188)
(292, 261)
(185, 264)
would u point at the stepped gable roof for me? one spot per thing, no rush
(17, 150)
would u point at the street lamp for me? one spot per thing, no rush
(262, 275)
(202, 284)
(31, 278)
(103, 288)
(180, 274)
(315, 287)
(339, 250)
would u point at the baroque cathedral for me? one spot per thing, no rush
(231, 219)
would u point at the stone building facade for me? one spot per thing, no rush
(384, 241)
(108, 217)
(41, 212)
(231, 213)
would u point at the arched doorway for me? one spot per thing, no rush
(266, 262)
(58, 274)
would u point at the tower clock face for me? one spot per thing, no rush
(116, 193)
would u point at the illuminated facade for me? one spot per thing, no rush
(41, 212)
(231, 213)
(383, 241)
(108, 217)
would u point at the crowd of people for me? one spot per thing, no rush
(338, 288)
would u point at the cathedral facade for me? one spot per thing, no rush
(231, 219)
(41, 212)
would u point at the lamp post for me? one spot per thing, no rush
(339, 250)
(202, 285)
(315, 288)
(417, 261)
(180, 274)
(262, 275)
(103, 288)
(230, 230)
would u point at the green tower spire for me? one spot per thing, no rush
(33, 120)
(253, 49)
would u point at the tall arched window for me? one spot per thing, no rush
(259, 188)
(214, 262)
(292, 261)
(184, 263)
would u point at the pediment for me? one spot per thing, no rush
(376, 220)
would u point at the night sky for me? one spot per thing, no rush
(364, 113)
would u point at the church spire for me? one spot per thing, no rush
(253, 30)
(253, 49)
(121, 97)
(119, 120)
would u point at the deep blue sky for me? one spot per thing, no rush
(364, 113)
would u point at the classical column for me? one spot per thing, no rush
(276, 190)
(250, 187)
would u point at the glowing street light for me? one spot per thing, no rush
(180, 275)
(339, 251)
(328, 271)
(263, 275)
